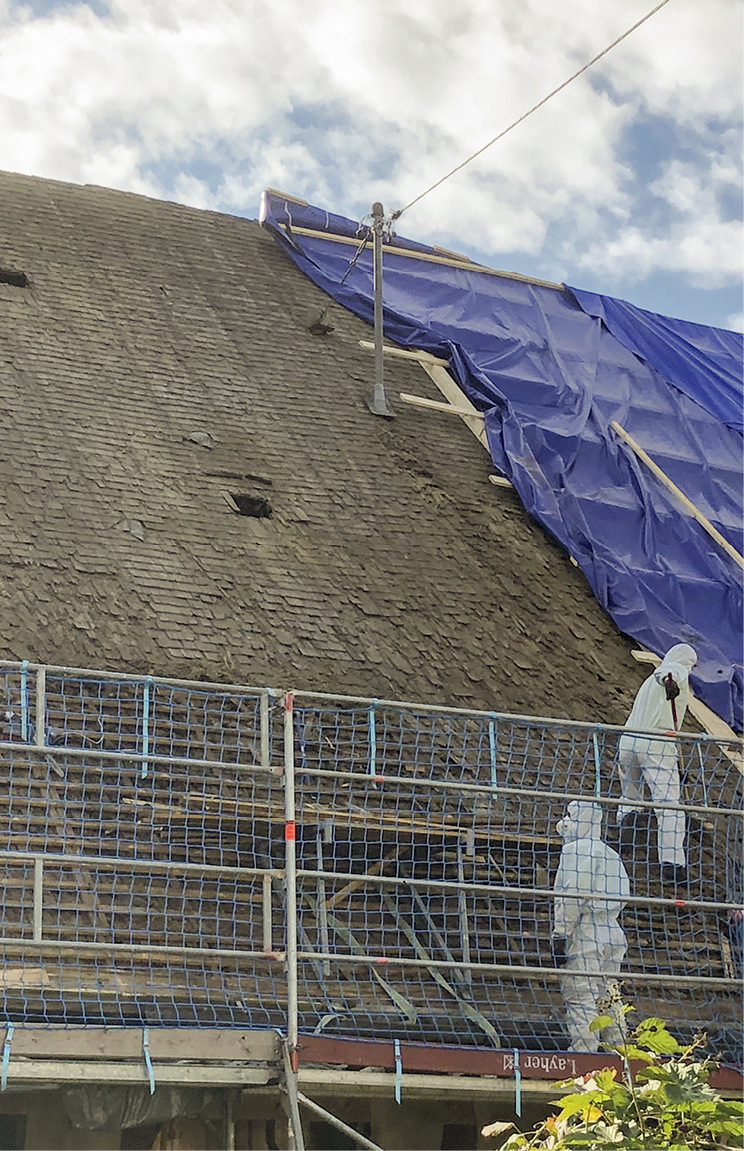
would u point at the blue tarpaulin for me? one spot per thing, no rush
(551, 368)
(703, 362)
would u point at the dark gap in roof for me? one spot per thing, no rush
(220, 473)
(14, 278)
(255, 506)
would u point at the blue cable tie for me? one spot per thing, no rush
(148, 1059)
(398, 1071)
(517, 1085)
(6, 1056)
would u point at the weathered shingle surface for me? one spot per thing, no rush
(161, 358)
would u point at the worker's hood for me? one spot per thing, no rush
(581, 821)
(680, 653)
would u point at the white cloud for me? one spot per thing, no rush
(708, 254)
(379, 98)
(693, 237)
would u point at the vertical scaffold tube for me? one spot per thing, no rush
(492, 750)
(41, 707)
(38, 897)
(290, 875)
(24, 701)
(146, 725)
(597, 766)
(265, 722)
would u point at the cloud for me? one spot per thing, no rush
(210, 104)
(693, 234)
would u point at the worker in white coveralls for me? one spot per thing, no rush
(659, 706)
(586, 933)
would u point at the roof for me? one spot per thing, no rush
(620, 429)
(159, 366)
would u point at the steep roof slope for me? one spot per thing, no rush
(584, 398)
(159, 364)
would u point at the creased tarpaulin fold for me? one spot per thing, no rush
(551, 368)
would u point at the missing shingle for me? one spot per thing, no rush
(221, 474)
(203, 439)
(134, 527)
(14, 278)
(249, 505)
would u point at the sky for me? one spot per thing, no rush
(628, 182)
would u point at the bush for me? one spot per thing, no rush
(667, 1104)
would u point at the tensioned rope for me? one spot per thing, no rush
(399, 212)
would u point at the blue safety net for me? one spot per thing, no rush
(551, 378)
(148, 879)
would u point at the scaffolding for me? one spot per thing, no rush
(186, 854)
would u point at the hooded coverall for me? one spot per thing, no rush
(594, 938)
(655, 761)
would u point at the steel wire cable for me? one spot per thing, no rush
(399, 212)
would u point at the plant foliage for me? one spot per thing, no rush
(667, 1103)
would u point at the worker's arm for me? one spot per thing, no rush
(567, 911)
(672, 677)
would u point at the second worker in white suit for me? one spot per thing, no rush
(586, 933)
(659, 707)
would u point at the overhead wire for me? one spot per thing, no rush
(399, 212)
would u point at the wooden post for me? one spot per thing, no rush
(672, 487)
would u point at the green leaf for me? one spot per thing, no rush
(630, 1051)
(682, 1083)
(515, 1141)
(579, 1101)
(652, 1034)
(607, 1080)
(670, 1106)
(600, 1022)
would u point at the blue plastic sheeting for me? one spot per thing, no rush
(550, 378)
(703, 362)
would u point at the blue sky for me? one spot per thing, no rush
(628, 182)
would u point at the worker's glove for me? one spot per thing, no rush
(558, 944)
(672, 689)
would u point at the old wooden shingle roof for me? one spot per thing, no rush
(159, 367)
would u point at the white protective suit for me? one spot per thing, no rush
(594, 938)
(655, 761)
